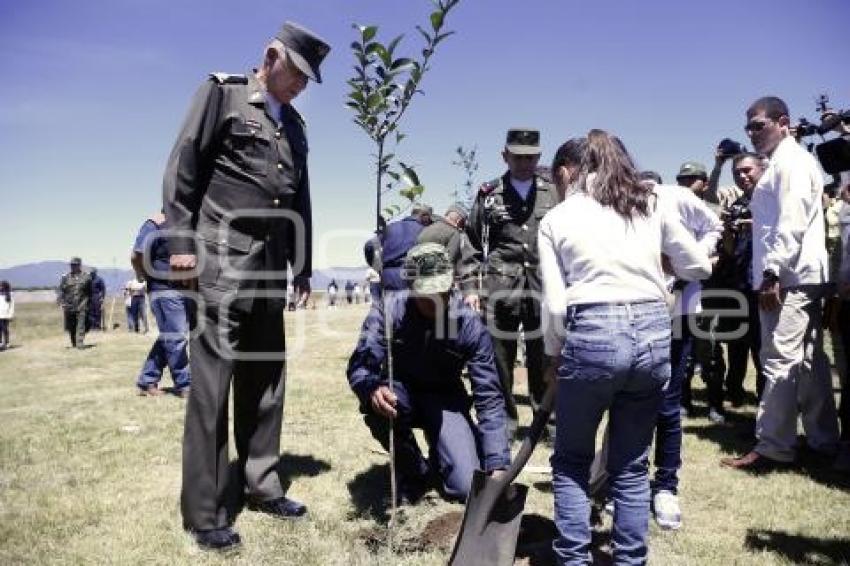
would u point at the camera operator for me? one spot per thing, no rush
(790, 273)
(714, 193)
(735, 268)
(843, 321)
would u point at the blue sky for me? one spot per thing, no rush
(93, 93)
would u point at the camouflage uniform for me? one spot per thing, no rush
(74, 294)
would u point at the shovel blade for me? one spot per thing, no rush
(488, 534)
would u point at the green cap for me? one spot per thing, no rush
(692, 169)
(428, 269)
(523, 141)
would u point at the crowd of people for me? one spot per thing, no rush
(622, 288)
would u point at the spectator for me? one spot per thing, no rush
(170, 309)
(333, 289)
(7, 313)
(349, 291)
(134, 302)
(790, 272)
(98, 294)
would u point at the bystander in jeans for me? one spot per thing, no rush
(134, 302)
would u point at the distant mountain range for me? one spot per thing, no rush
(47, 273)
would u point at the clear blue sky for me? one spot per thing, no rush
(93, 93)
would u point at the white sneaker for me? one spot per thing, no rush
(715, 416)
(668, 515)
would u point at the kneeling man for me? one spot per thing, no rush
(433, 336)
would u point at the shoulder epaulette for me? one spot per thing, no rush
(489, 186)
(228, 79)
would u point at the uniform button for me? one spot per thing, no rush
(277, 134)
(525, 228)
(276, 202)
(279, 166)
(524, 208)
(526, 264)
(268, 237)
(525, 246)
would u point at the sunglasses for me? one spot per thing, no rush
(755, 126)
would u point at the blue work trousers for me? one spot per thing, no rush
(668, 429)
(616, 357)
(169, 310)
(451, 435)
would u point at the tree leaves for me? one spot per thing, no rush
(382, 89)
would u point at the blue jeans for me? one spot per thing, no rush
(169, 309)
(451, 435)
(616, 357)
(668, 429)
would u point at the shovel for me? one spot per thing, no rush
(488, 534)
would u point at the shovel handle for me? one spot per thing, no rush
(541, 417)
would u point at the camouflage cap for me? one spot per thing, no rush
(428, 270)
(523, 141)
(692, 169)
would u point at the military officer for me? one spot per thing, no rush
(74, 295)
(237, 180)
(502, 229)
(434, 336)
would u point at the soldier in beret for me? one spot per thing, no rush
(237, 181)
(502, 228)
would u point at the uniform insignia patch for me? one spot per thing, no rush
(254, 125)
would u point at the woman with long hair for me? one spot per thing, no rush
(606, 300)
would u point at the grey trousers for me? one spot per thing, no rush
(797, 377)
(249, 348)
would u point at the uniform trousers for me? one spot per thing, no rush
(247, 349)
(505, 312)
(452, 439)
(797, 375)
(75, 326)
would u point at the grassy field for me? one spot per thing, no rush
(90, 472)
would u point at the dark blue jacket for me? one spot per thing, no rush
(399, 237)
(431, 359)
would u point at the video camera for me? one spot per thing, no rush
(833, 154)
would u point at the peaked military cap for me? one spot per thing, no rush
(428, 269)
(523, 141)
(692, 169)
(306, 48)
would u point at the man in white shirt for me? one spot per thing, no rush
(790, 273)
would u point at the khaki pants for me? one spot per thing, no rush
(797, 375)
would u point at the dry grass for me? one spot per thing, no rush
(90, 473)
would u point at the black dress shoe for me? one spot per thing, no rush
(280, 508)
(222, 539)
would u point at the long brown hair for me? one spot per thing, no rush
(617, 183)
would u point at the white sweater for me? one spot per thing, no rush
(788, 226)
(591, 254)
(7, 308)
